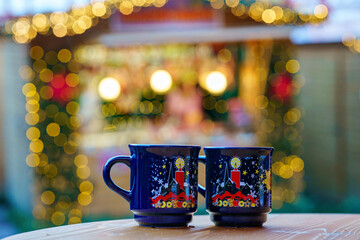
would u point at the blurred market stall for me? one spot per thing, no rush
(104, 74)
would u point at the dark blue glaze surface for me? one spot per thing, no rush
(163, 182)
(238, 182)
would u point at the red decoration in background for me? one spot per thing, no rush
(281, 87)
(235, 177)
(62, 92)
(179, 177)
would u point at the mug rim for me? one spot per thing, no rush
(165, 145)
(233, 147)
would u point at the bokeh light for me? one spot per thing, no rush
(48, 197)
(216, 83)
(292, 66)
(321, 11)
(161, 81)
(269, 16)
(109, 88)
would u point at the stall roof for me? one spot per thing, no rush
(232, 34)
(15, 8)
(343, 18)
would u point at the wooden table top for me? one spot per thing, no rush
(278, 226)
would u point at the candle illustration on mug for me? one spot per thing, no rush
(175, 192)
(179, 174)
(237, 188)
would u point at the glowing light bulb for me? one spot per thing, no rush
(216, 82)
(109, 88)
(161, 81)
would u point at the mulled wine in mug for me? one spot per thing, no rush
(163, 183)
(238, 185)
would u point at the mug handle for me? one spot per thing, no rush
(201, 188)
(107, 178)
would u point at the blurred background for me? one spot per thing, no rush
(81, 79)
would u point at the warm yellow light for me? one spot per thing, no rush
(78, 27)
(21, 27)
(58, 218)
(268, 16)
(60, 140)
(292, 66)
(239, 10)
(161, 81)
(64, 55)
(146, 107)
(99, 9)
(348, 39)
(60, 30)
(75, 122)
(32, 160)
(61, 118)
(217, 4)
(126, 7)
(48, 197)
(33, 133)
(278, 11)
(224, 55)
(84, 199)
(261, 102)
(139, 3)
(72, 108)
(232, 3)
(53, 129)
(297, 164)
(36, 52)
(286, 172)
(83, 172)
(70, 148)
(216, 82)
(86, 186)
(39, 65)
(46, 75)
(26, 73)
(21, 38)
(46, 92)
(32, 106)
(58, 17)
(159, 3)
(81, 160)
(86, 20)
(72, 79)
(36, 146)
(321, 11)
(74, 220)
(109, 88)
(40, 21)
(27, 88)
(32, 118)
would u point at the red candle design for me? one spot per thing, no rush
(179, 174)
(179, 177)
(235, 177)
(235, 174)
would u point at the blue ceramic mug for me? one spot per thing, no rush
(238, 185)
(163, 183)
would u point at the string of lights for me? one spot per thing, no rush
(76, 21)
(62, 173)
(80, 19)
(281, 124)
